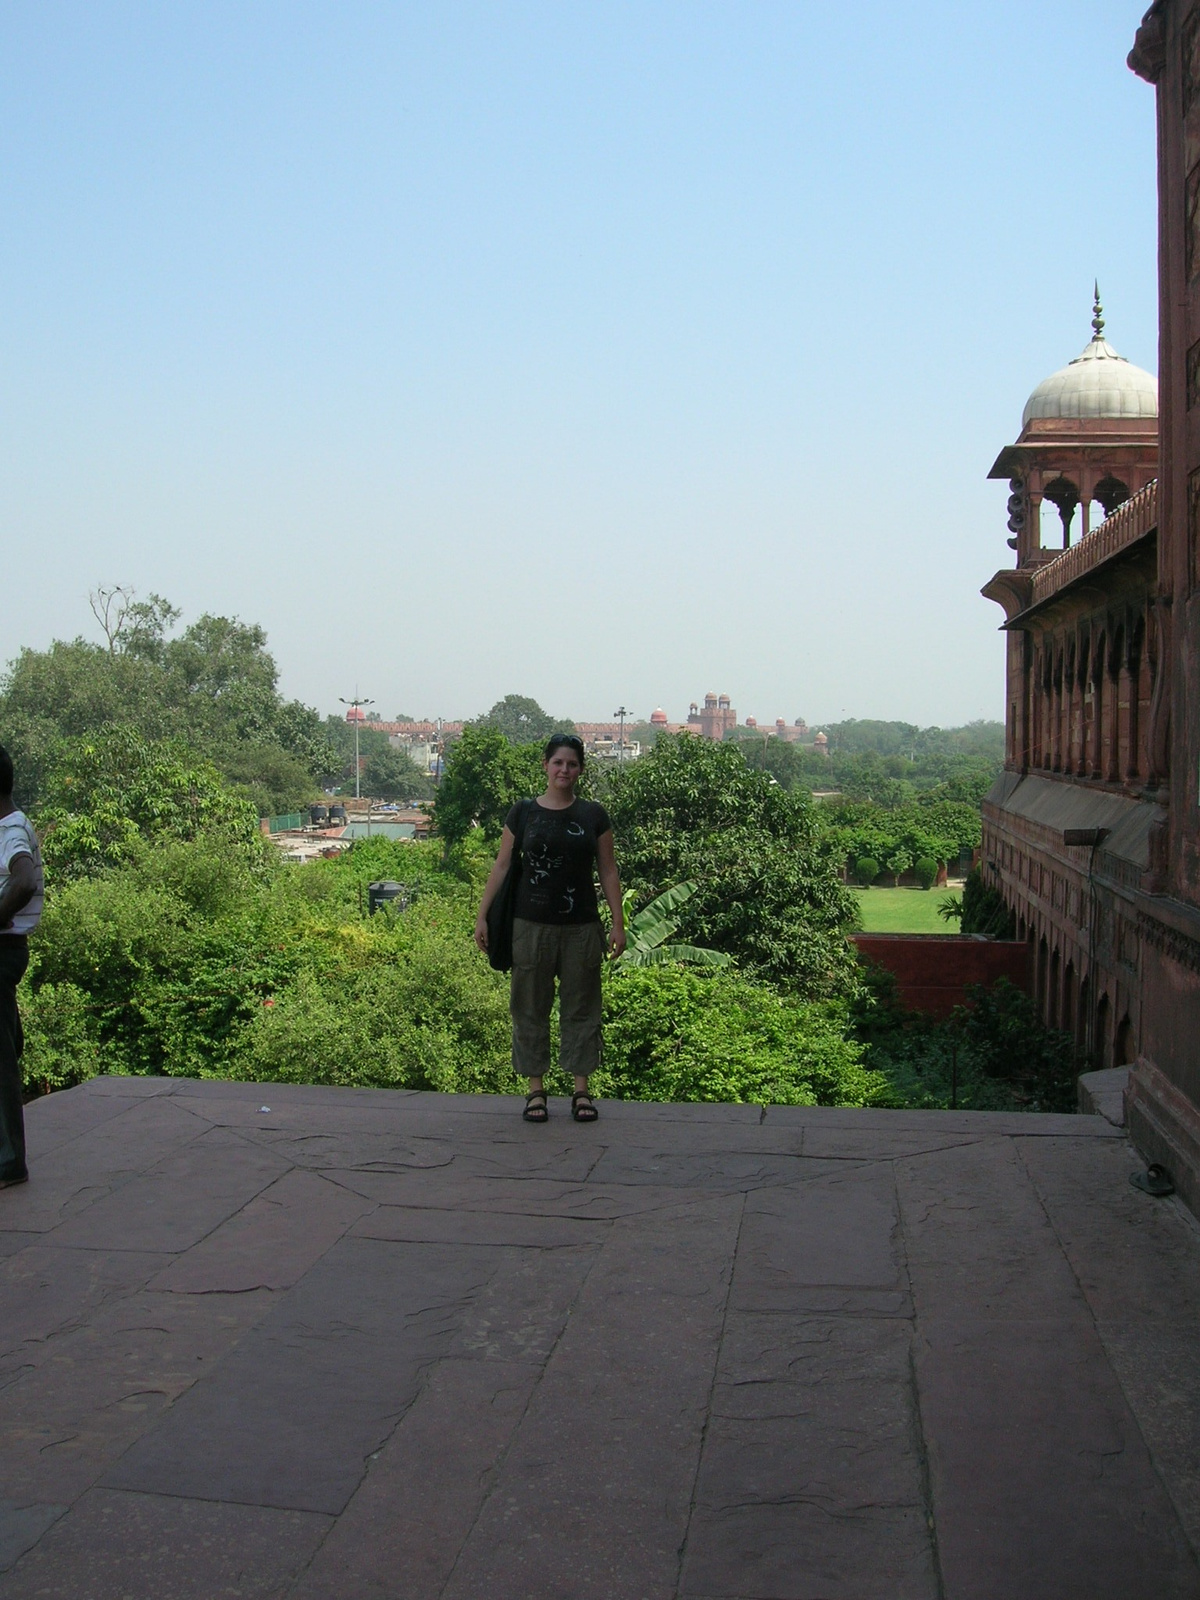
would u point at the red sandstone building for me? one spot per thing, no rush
(714, 720)
(1092, 833)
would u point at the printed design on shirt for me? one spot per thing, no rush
(574, 831)
(540, 863)
(569, 899)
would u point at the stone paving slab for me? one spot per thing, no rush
(812, 1481)
(85, 1395)
(280, 1342)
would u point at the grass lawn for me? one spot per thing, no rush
(903, 911)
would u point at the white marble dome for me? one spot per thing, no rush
(1098, 383)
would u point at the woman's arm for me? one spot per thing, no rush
(20, 887)
(610, 882)
(490, 889)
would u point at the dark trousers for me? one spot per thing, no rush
(14, 958)
(574, 954)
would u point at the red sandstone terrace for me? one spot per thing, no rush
(326, 1344)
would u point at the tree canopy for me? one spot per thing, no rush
(391, 774)
(214, 686)
(768, 891)
(522, 721)
(484, 778)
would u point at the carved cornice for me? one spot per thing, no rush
(1010, 588)
(1149, 54)
(1169, 941)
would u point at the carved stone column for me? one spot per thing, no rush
(1100, 699)
(1159, 734)
(1124, 763)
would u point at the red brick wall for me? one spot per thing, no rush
(934, 969)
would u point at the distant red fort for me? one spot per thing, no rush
(713, 721)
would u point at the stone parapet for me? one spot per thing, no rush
(1129, 524)
(1165, 1128)
(1102, 1094)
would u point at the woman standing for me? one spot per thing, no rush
(556, 928)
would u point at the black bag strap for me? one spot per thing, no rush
(522, 822)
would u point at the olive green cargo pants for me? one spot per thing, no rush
(574, 954)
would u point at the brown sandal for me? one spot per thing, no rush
(536, 1113)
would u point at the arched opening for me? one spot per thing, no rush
(1054, 994)
(1068, 1021)
(1043, 960)
(1123, 1047)
(1101, 1041)
(1111, 493)
(1095, 515)
(1063, 495)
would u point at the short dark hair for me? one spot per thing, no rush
(558, 741)
(6, 772)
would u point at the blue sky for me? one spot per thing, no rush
(605, 353)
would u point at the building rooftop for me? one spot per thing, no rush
(317, 1343)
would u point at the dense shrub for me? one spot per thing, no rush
(674, 1034)
(866, 870)
(61, 1049)
(926, 869)
(984, 910)
(408, 1005)
(992, 1055)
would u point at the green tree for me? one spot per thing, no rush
(214, 686)
(793, 766)
(391, 774)
(769, 891)
(484, 778)
(107, 795)
(132, 626)
(984, 910)
(521, 720)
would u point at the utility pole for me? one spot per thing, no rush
(622, 714)
(358, 704)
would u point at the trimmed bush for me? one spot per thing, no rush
(866, 870)
(926, 869)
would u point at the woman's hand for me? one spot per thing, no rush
(616, 941)
(481, 932)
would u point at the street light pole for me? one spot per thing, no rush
(357, 705)
(622, 713)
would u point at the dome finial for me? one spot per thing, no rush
(1097, 312)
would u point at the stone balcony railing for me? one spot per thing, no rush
(1128, 523)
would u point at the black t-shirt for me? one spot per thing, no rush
(559, 857)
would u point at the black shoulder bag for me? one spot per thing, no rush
(503, 907)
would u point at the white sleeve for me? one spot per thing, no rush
(14, 842)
